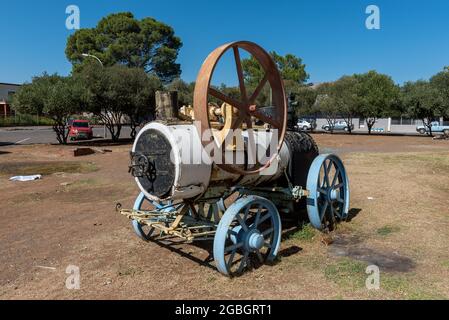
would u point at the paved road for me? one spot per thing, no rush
(32, 135)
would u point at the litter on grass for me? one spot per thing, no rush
(26, 178)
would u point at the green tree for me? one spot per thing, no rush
(345, 98)
(53, 96)
(185, 91)
(440, 82)
(291, 69)
(111, 93)
(423, 101)
(121, 39)
(378, 95)
(139, 100)
(303, 99)
(325, 105)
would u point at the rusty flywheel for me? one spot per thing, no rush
(246, 105)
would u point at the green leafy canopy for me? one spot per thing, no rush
(121, 39)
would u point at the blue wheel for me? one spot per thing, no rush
(249, 233)
(328, 185)
(145, 232)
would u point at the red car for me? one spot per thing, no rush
(80, 129)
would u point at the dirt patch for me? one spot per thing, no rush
(45, 167)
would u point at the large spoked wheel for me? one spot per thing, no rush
(249, 234)
(328, 185)
(247, 104)
(145, 232)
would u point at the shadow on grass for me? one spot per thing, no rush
(296, 227)
(353, 212)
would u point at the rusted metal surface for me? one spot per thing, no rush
(246, 106)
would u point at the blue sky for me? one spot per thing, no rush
(329, 35)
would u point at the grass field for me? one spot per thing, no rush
(399, 222)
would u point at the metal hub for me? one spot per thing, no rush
(331, 194)
(255, 240)
(252, 239)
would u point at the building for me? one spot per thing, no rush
(6, 92)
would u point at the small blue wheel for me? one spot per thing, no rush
(145, 232)
(328, 185)
(249, 233)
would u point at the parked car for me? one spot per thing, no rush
(80, 129)
(436, 128)
(304, 125)
(339, 126)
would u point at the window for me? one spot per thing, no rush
(80, 124)
(395, 121)
(10, 95)
(406, 121)
(403, 121)
(361, 122)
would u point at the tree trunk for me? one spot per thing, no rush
(428, 123)
(331, 123)
(61, 132)
(112, 121)
(349, 124)
(370, 123)
(133, 130)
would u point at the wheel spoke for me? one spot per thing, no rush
(241, 222)
(252, 152)
(339, 199)
(259, 256)
(323, 210)
(326, 174)
(238, 121)
(332, 211)
(245, 216)
(266, 119)
(217, 94)
(259, 88)
(267, 245)
(334, 181)
(238, 64)
(265, 217)
(321, 190)
(243, 262)
(231, 258)
(338, 186)
(233, 247)
(337, 212)
(256, 222)
(267, 232)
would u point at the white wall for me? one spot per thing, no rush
(5, 88)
